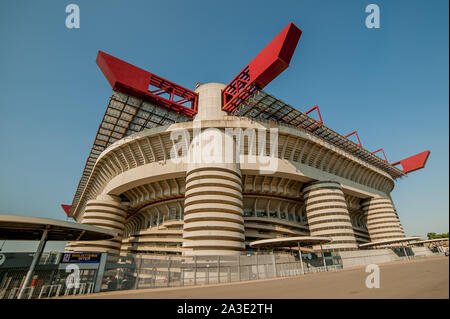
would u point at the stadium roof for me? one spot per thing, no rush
(263, 105)
(126, 114)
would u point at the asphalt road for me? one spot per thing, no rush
(423, 278)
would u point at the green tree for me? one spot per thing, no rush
(435, 236)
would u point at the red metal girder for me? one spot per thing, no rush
(265, 67)
(413, 163)
(66, 208)
(130, 79)
(385, 159)
(356, 133)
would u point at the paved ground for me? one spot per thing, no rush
(423, 278)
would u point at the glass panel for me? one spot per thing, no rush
(248, 213)
(261, 214)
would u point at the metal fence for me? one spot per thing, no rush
(139, 272)
(46, 283)
(129, 272)
(48, 280)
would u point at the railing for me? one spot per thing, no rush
(46, 283)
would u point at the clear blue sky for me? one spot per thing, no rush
(391, 84)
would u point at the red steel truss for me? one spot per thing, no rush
(318, 122)
(316, 107)
(265, 67)
(356, 133)
(239, 89)
(135, 81)
(385, 159)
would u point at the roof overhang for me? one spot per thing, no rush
(30, 228)
(389, 241)
(428, 241)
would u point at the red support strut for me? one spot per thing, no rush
(359, 141)
(385, 159)
(316, 107)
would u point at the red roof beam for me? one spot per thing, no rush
(135, 81)
(266, 66)
(413, 163)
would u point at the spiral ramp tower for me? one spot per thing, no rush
(213, 209)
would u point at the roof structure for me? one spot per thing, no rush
(263, 105)
(428, 241)
(124, 115)
(30, 228)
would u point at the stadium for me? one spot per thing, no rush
(271, 171)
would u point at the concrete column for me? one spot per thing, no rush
(106, 212)
(323, 258)
(35, 261)
(213, 211)
(300, 257)
(382, 220)
(328, 216)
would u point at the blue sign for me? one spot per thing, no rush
(81, 258)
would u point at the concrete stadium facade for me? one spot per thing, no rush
(162, 206)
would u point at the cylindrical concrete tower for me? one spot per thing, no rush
(327, 214)
(382, 219)
(107, 212)
(213, 212)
